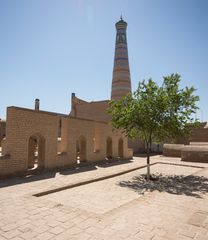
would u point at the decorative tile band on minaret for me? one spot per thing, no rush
(121, 83)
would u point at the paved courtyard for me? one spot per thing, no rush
(121, 206)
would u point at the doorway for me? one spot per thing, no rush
(120, 148)
(109, 148)
(81, 150)
(36, 152)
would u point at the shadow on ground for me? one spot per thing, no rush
(32, 176)
(111, 163)
(194, 186)
(144, 155)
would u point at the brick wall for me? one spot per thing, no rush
(197, 135)
(194, 153)
(137, 145)
(90, 110)
(98, 111)
(22, 124)
(96, 134)
(172, 150)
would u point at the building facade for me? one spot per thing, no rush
(38, 139)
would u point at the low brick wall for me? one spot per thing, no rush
(199, 143)
(172, 150)
(193, 153)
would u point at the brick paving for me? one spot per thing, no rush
(120, 207)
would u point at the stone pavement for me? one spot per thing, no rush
(120, 207)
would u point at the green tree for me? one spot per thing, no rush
(154, 113)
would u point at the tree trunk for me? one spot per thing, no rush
(148, 162)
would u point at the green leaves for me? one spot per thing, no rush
(154, 113)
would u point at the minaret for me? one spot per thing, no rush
(121, 83)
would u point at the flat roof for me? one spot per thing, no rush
(39, 111)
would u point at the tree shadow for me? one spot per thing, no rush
(194, 186)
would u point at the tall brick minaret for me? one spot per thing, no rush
(121, 83)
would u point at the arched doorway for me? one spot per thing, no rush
(81, 149)
(36, 152)
(77, 152)
(109, 148)
(120, 148)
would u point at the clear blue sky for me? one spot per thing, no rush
(51, 48)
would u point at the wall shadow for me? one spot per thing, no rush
(144, 155)
(27, 178)
(32, 176)
(38, 175)
(193, 186)
(78, 169)
(111, 163)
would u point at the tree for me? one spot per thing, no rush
(153, 113)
